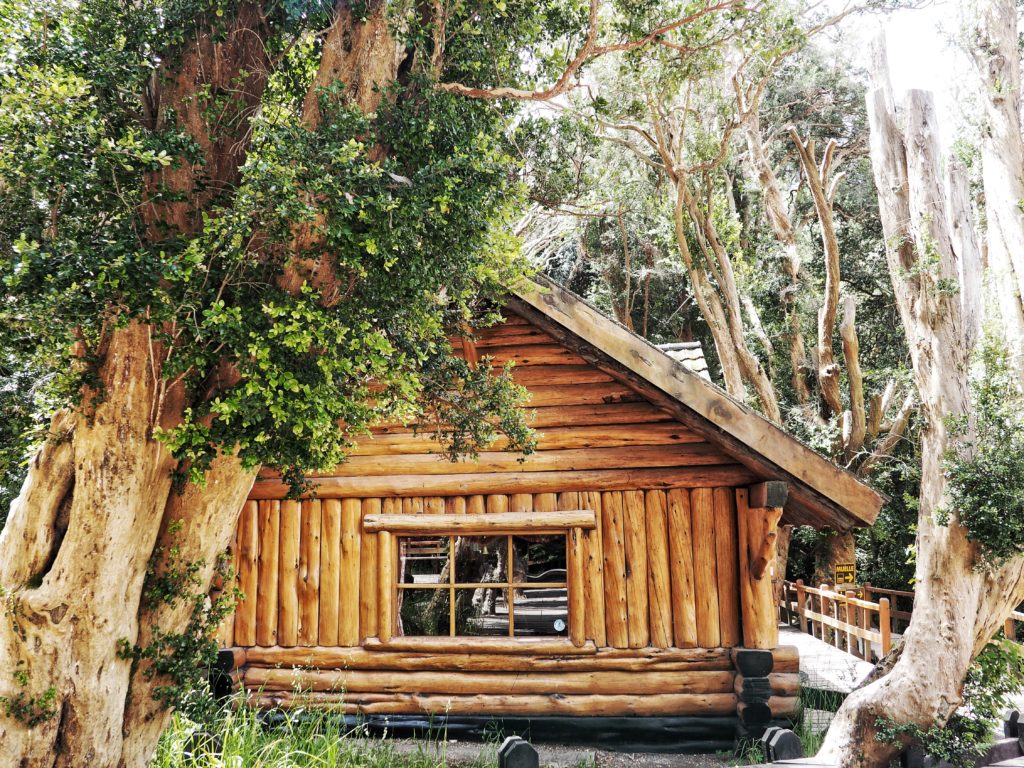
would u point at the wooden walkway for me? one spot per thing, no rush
(823, 666)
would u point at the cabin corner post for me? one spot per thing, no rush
(754, 662)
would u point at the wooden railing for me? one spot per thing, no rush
(1010, 625)
(859, 627)
(901, 604)
(853, 624)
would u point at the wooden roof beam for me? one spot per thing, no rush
(820, 492)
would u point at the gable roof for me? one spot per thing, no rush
(820, 493)
(690, 354)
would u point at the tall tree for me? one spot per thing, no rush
(749, 179)
(970, 568)
(231, 227)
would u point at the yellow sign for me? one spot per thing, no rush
(846, 573)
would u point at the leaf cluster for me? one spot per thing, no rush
(995, 676)
(984, 466)
(318, 291)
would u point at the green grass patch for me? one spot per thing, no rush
(302, 739)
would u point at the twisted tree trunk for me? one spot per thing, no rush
(98, 502)
(957, 608)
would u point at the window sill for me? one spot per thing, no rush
(491, 524)
(537, 646)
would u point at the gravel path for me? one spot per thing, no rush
(557, 756)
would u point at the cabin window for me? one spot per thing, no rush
(503, 585)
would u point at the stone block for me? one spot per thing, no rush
(753, 663)
(781, 744)
(515, 752)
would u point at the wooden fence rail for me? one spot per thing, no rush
(901, 603)
(855, 625)
(859, 627)
(1010, 625)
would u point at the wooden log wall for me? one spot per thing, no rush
(649, 682)
(595, 434)
(660, 570)
(654, 589)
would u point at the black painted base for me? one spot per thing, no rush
(682, 735)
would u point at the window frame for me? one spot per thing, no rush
(391, 527)
(508, 586)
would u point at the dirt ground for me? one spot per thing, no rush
(559, 756)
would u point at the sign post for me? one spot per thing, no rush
(846, 573)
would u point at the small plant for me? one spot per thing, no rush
(30, 710)
(996, 675)
(986, 473)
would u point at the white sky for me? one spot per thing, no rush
(922, 55)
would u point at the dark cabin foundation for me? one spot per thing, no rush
(613, 588)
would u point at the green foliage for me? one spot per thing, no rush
(300, 739)
(183, 656)
(996, 675)
(18, 419)
(30, 710)
(412, 238)
(985, 471)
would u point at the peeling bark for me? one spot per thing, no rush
(956, 607)
(997, 60)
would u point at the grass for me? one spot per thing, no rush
(306, 739)
(811, 736)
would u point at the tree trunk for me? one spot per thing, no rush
(956, 608)
(74, 556)
(997, 59)
(98, 497)
(782, 228)
(836, 548)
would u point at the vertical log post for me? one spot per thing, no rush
(386, 585)
(577, 608)
(801, 605)
(851, 622)
(288, 563)
(330, 562)
(884, 625)
(368, 610)
(826, 610)
(756, 535)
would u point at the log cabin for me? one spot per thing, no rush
(615, 585)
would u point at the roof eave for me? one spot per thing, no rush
(821, 492)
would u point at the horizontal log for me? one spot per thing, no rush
(555, 438)
(785, 683)
(496, 683)
(510, 335)
(542, 395)
(550, 375)
(515, 482)
(532, 354)
(786, 658)
(560, 416)
(569, 460)
(589, 705)
(514, 645)
(500, 522)
(784, 706)
(605, 659)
